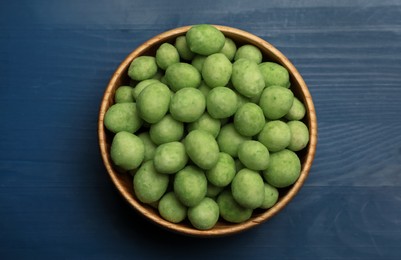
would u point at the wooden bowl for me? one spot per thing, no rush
(123, 181)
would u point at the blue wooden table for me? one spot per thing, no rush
(56, 199)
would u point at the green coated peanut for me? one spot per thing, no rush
(190, 185)
(127, 150)
(149, 185)
(248, 189)
(202, 148)
(283, 170)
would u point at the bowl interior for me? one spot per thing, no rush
(123, 181)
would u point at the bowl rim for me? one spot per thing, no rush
(230, 228)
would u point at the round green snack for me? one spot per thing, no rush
(190, 185)
(153, 102)
(183, 49)
(149, 146)
(182, 75)
(205, 39)
(299, 135)
(213, 190)
(204, 215)
(166, 130)
(216, 70)
(143, 67)
(283, 170)
(275, 135)
(241, 100)
(249, 119)
(221, 102)
(206, 123)
(230, 210)
(271, 196)
(297, 110)
(149, 185)
(171, 209)
(254, 155)
(276, 101)
(247, 78)
(274, 74)
(229, 140)
(198, 61)
(170, 157)
(123, 94)
(229, 49)
(202, 148)
(249, 52)
(187, 105)
(204, 88)
(127, 150)
(166, 55)
(223, 172)
(239, 165)
(122, 117)
(141, 86)
(159, 74)
(247, 188)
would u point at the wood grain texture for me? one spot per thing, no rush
(56, 58)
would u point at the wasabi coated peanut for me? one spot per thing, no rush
(166, 55)
(241, 100)
(275, 135)
(283, 170)
(122, 117)
(204, 88)
(149, 146)
(271, 196)
(254, 155)
(216, 70)
(213, 190)
(249, 119)
(230, 210)
(198, 61)
(123, 94)
(248, 189)
(205, 39)
(299, 135)
(183, 49)
(202, 148)
(297, 110)
(171, 209)
(159, 74)
(166, 130)
(170, 157)
(187, 105)
(143, 67)
(190, 185)
(229, 49)
(239, 165)
(149, 185)
(229, 140)
(221, 102)
(206, 123)
(223, 172)
(182, 75)
(153, 102)
(127, 150)
(204, 215)
(274, 74)
(249, 52)
(141, 86)
(276, 101)
(247, 78)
